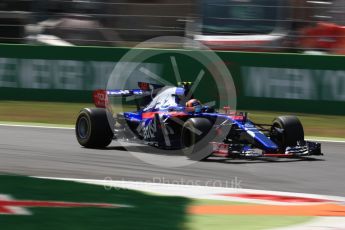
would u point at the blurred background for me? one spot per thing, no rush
(247, 25)
(59, 64)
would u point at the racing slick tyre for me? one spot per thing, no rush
(93, 129)
(287, 131)
(196, 135)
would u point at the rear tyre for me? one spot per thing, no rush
(196, 135)
(93, 128)
(287, 131)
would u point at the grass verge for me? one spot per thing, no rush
(242, 222)
(245, 222)
(66, 113)
(314, 124)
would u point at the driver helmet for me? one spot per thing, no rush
(193, 105)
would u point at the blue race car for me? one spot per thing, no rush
(167, 118)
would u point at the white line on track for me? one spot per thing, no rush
(325, 140)
(36, 126)
(52, 126)
(56, 126)
(318, 223)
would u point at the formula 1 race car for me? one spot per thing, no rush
(167, 118)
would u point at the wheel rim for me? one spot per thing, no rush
(83, 128)
(278, 137)
(188, 137)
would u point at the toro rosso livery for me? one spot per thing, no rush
(167, 118)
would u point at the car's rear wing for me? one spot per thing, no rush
(101, 96)
(125, 93)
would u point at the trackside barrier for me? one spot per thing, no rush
(264, 81)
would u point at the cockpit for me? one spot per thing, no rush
(169, 97)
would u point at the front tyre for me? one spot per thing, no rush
(287, 131)
(93, 128)
(196, 136)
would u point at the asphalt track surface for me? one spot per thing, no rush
(56, 153)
